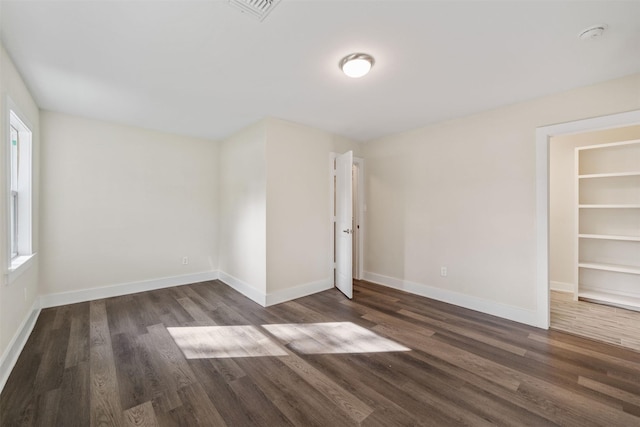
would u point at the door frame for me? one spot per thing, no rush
(361, 209)
(543, 138)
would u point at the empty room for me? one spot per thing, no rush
(319, 213)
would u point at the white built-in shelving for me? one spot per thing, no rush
(608, 223)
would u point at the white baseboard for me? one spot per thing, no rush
(277, 297)
(561, 286)
(17, 343)
(529, 317)
(72, 297)
(244, 288)
(298, 291)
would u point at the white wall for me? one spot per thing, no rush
(123, 205)
(242, 204)
(298, 203)
(562, 271)
(274, 209)
(16, 299)
(461, 194)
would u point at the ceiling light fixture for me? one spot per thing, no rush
(356, 65)
(593, 32)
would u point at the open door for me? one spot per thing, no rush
(344, 224)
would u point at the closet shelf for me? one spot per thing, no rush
(610, 237)
(616, 206)
(631, 269)
(624, 301)
(608, 175)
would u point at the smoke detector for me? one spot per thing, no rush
(592, 32)
(259, 9)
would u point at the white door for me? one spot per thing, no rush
(344, 223)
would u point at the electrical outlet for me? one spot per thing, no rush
(443, 271)
(185, 260)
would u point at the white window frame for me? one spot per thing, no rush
(20, 259)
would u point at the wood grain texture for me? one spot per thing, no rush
(121, 362)
(600, 322)
(142, 415)
(103, 385)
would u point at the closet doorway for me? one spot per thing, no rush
(594, 234)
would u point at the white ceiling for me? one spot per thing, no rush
(202, 68)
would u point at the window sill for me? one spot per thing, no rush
(19, 265)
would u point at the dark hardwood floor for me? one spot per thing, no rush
(205, 355)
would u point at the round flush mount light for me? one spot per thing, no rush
(592, 32)
(356, 65)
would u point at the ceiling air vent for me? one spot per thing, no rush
(259, 9)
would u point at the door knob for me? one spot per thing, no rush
(346, 231)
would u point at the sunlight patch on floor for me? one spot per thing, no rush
(332, 338)
(217, 342)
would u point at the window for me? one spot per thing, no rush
(19, 191)
(13, 202)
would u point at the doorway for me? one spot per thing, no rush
(588, 244)
(357, 218)
(543, 138)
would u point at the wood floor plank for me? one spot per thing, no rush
(51, 368)
(293, 311)
(133, 390)
(78, 346)
(125, 315)
(546, 410)
(149, 372)
(142, 415)
(166, 402)
(355, 378)
(500, 411)
(18, 402)
(345, 401)
(422, 410)
(549, 390)
(195, 400)
(614, 392)
(384, 358)
(457, 412)
(75, 396)
(105, 398)
(217, 385)
(616, 360)
(46, 412)
(194, 311)
(465, 332)
(258, 407)
(166, 360)
(193, 293)
(295, 398)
